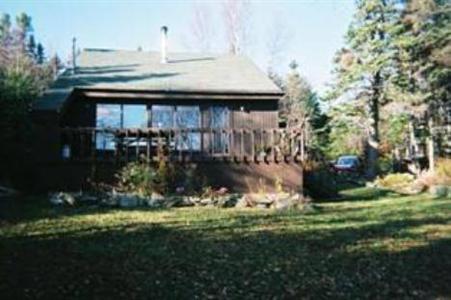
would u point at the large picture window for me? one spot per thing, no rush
(162, 116)
(107, 116)
(115, 116)
(219, 119)
(188, 117)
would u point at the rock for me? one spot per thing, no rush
(156, 197)
(88, 199)
(127, 201)
(7, 192)
(226, 201)
(110, 199)
(222, 191)
(439, 191)
(152, 203)
(261, 199)
(243, 202)
(295, 201)
(206, 201)
(173, 201)
(283, 204)
(308, 207)
(188, 201)
(262, 205)
(62, 198)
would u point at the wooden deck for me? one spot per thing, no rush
(240, 145)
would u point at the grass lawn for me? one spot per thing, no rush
(368, 245)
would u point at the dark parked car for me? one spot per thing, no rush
(347, 163)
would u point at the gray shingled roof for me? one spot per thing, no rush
(142, 71)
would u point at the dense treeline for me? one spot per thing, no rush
(395, 66)
(25, 72)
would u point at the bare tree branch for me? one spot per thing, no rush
(276, 45)
(236, 14)
(202, 29)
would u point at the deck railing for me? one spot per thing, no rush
(196, 144)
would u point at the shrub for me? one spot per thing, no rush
(443, 171)
(395, 181)
(137, 178)
(320, 181)
(385, 164)
(441, 176)
(165, 177)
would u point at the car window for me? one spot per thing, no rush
(346, 161)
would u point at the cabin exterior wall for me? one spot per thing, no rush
(80, 112)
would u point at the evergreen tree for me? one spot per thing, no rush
(423, 49)
(5, 26)
(23, 29)
(40, 56)
(31, 47)
(364, 68)
(300, 106)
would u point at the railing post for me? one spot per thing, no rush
(148, 144)
(137, 143)
(252, 132)
(242, 144)
(126, 146)
(232, 143)
(302, 145)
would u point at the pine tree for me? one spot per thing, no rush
(364, 68)
(423, 45)
(23, 29)
(5, 27)
(40, 56)
(31, 47)
(294, 109)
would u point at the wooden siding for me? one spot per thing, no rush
(253, 128)
(237, 177)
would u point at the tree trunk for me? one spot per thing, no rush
(430, 144)
(373, 132)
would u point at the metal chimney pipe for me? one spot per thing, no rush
(164, 44)
(74, 54)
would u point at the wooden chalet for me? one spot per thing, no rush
(114, 106)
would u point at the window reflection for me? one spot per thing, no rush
(219, 119)
(115, 116)
(188, 117)
(107, 116)
(162, 116)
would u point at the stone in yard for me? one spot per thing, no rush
(226, 201)
(173, 201)
(439, 191)
(126, 200)
(231, 200)
(222, 191)
(153, 203)
(242, 202)
(261, 199)
(291, 202)
(283, 204)
(188, 201)
(88, 199)
(62, 198)
(206, 201)
(156, 197)
(110, 199)
(262, 205)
